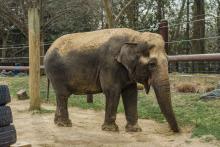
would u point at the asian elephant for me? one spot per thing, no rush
(111, 61)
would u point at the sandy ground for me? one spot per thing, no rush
(40, 131)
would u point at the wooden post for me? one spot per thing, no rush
(89, 98)
(34, 57)
(48, 89)
(163, 30)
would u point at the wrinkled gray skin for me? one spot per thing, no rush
(111, 61)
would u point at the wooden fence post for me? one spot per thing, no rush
(89, 98)
(34, 57)
(163, 30)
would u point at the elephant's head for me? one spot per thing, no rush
(146, 61)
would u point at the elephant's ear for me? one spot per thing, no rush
(127, 56)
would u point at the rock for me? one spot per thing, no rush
(215, 94)
(218, 85)
(22, 94)
(21, 74)
(8, 74)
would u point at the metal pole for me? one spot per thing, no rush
(195, 57)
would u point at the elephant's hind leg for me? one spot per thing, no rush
(129, 96)
(62, 115)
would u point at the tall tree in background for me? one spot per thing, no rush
(198, 46)
(160, 10)
(218, 25)
(111, 22)
(132, 14)
(4, 35)
(108, 12)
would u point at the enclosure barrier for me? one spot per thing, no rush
(195, 57)
(163, 29)
(171, 58)
(19, 68)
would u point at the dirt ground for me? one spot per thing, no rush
(40, 131)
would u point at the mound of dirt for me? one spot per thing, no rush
(40, 131)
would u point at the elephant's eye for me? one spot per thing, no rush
(152, 64)
(146, 54)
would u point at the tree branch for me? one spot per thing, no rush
(55, 17)
(6, 14)
(122, 10)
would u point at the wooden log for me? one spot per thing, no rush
(34, 57)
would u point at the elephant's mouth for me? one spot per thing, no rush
(143, 76)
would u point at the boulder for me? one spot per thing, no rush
(22, 94)
(215, 94)
(21, 144)
(218, 85)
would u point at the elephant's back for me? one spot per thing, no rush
(87, 41)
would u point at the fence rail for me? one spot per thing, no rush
(19, 68)
(173, 58)
(195, 57)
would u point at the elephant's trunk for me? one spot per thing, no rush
(161, 86)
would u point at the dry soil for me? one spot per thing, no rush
(40, 131)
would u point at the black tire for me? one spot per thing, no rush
(7, 136)
(5, 116)
(4, 95)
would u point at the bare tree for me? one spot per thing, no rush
(109, 13)
(198, 46)
(160, 10)
(218, 25)
(108, 10)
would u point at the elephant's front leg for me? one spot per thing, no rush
(112, 100)
(62, 115)
(129, 96)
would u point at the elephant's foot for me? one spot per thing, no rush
(133, 128)
(110, 127)
(62, 122)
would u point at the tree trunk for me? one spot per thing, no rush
(198, 46)
(4, 44)
(218, 31)
(108, 11)
(187, 34)
(188, 28)
(160, 12)
(132, 13)
(179, 18)
(218, 26)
